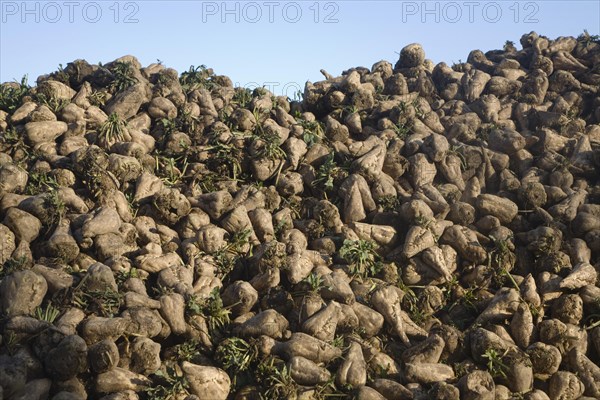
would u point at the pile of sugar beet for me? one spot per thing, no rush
(409, 231)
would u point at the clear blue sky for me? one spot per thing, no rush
(261, 42)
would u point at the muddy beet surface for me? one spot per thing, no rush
(405, 231)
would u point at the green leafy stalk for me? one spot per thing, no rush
(12, 94)
(361, 256)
